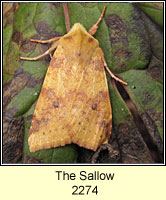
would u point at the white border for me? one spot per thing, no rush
(82, 164)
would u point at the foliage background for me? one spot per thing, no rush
(131, 36)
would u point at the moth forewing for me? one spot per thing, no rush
(74, 104)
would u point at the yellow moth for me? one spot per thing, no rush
(74, 104)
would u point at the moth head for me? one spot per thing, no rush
(77, 27)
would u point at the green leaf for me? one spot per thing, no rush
(154, 10)
(146, 95)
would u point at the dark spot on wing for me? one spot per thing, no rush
(83, 112)
(55, 104)
(94, 106)
(90, 40)
(68, 37)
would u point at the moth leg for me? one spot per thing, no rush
(93, 29)
(46, 41)
(53, 47)
(113, 76)
(109, 71)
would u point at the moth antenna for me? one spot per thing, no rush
(93, 29)
(109, 71)
(101, 17)
(67, 19)
(45, 41)
(49, 51)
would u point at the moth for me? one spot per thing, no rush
(74, 104)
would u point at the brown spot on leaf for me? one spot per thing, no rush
(106, 154)
(27, 45)
(43, 28)
(12, 141)
(152, 128)
(131, 144)
(27, 16)
(123, 53)
(29, 118)
(32, 160)
(148, 97)
(17, 37)
(117, 34)
(114, 21)
(32, 82)
(156, 116)
(155, 72)
(53, 34)
(12, 152)
(12, 88)
(11, 112)
(9, 21)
